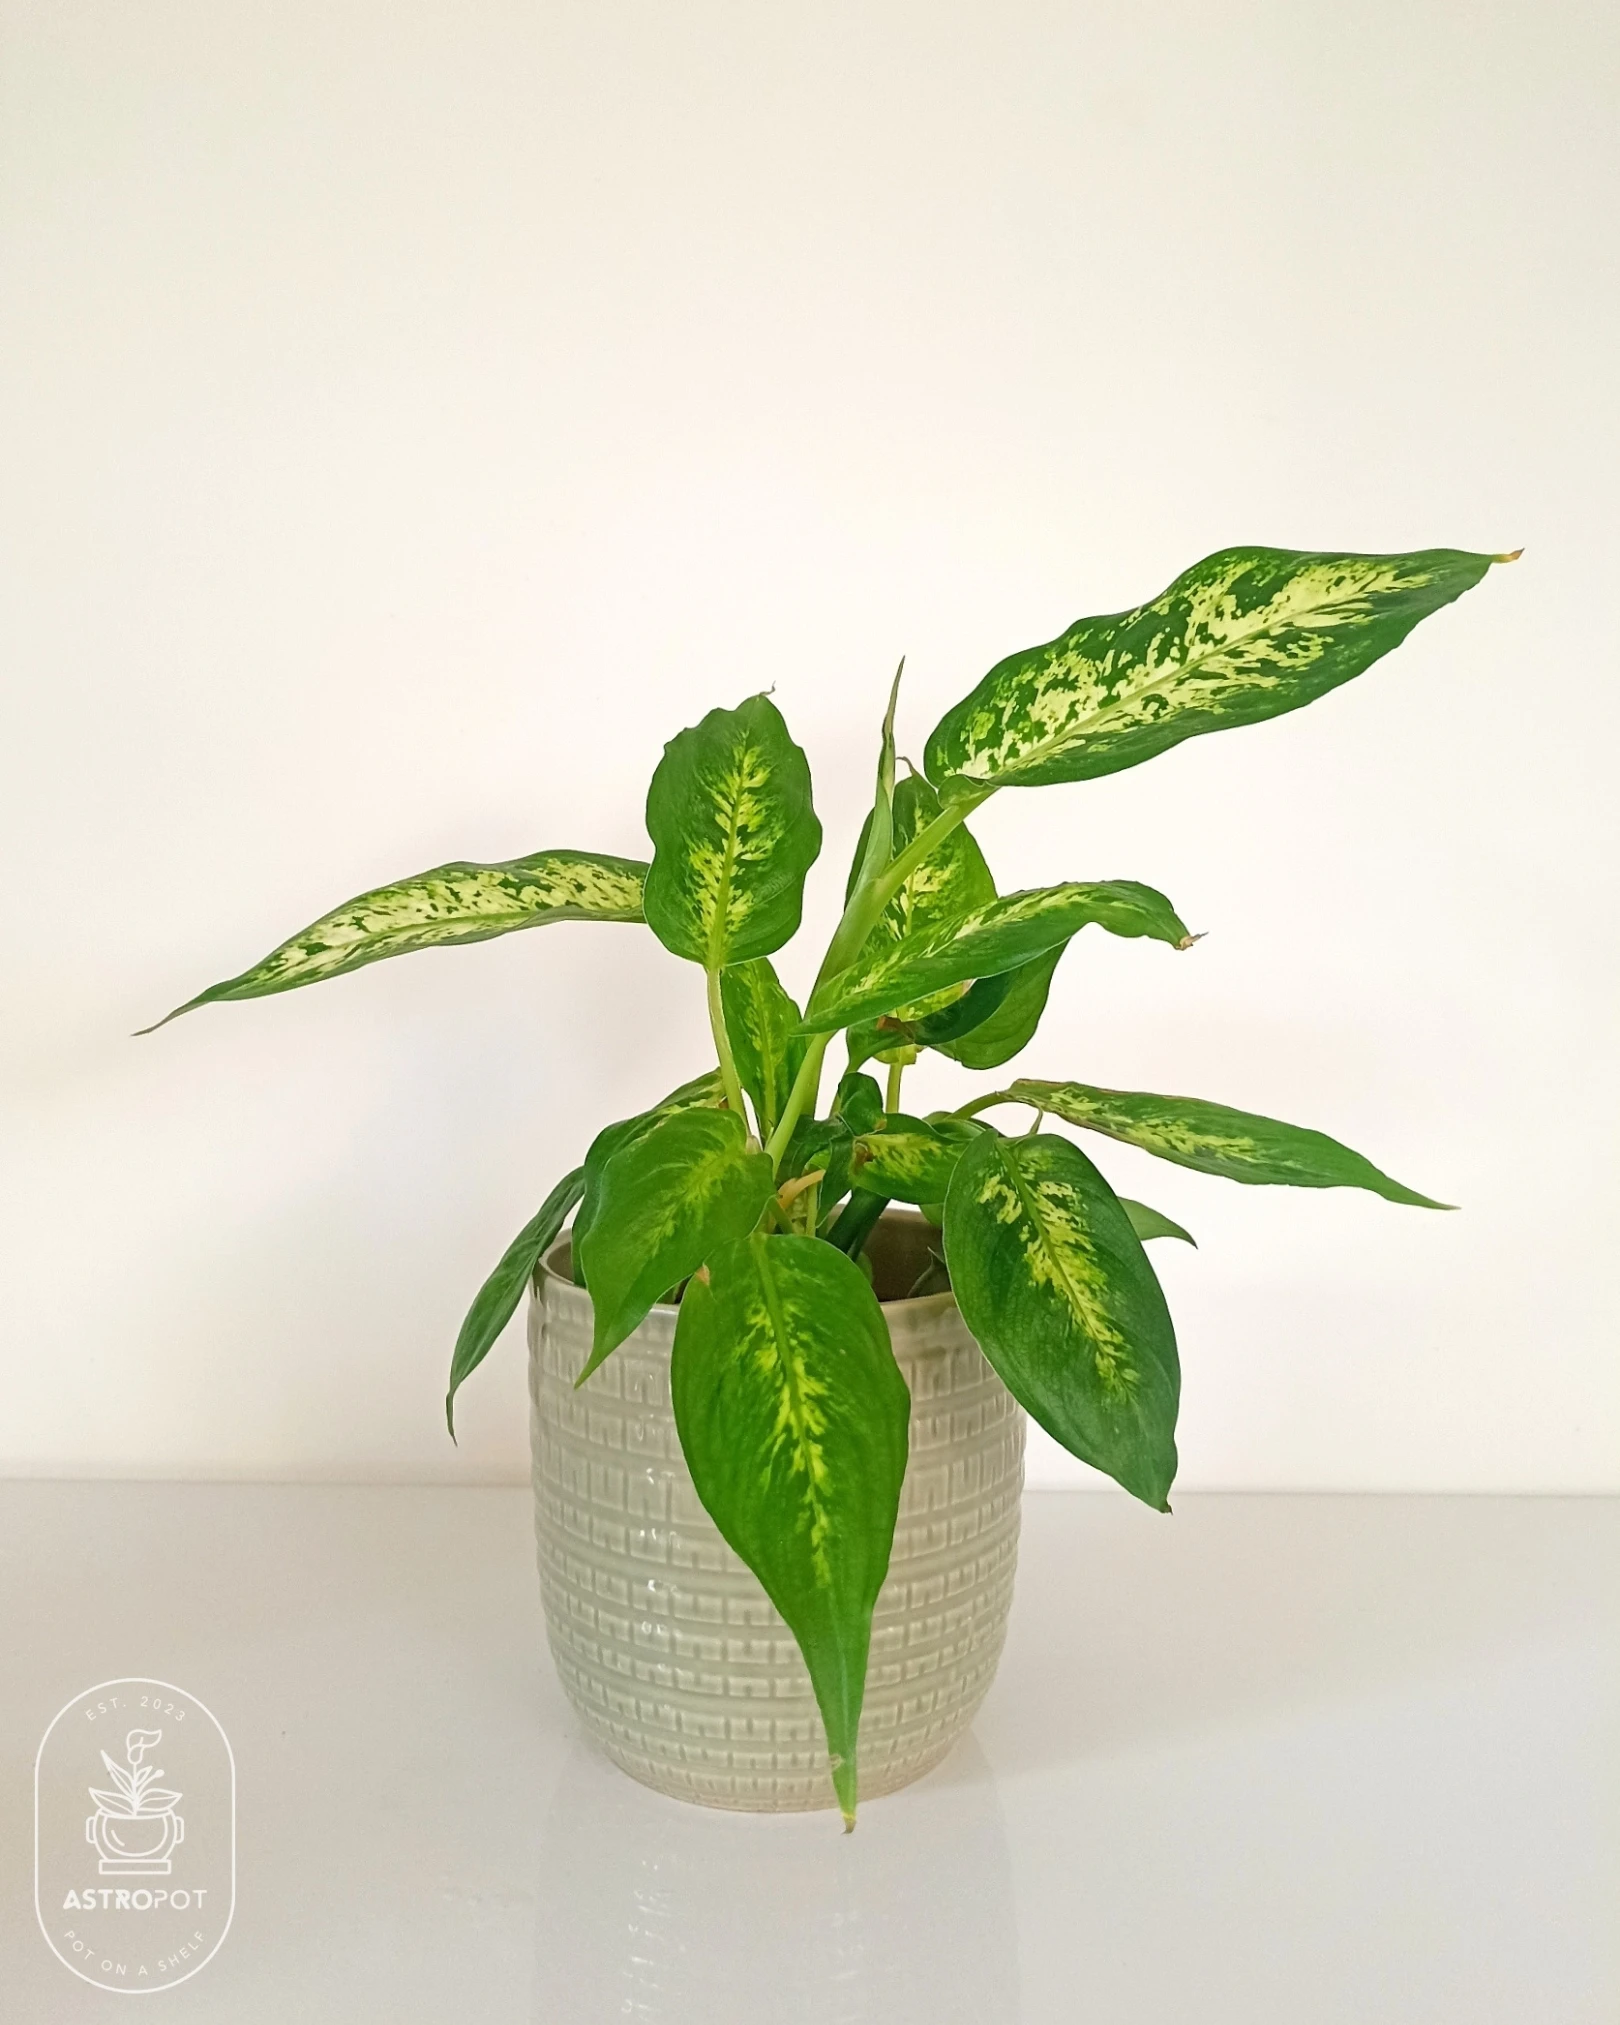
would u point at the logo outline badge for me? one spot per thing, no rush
(135, 1829)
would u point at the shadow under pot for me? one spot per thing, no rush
(670, 1651)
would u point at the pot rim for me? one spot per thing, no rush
(555, 1270)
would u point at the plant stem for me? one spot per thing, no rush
(921, 845)
(984, 1103)
(856, 1221)
(868, 900)
(722, 1047)
(806, 1085)
(891, 1096)
(860, 917)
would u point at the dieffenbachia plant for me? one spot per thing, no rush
(740, 1197)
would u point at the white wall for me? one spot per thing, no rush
(415, 413)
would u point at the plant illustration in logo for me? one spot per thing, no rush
(135, 1827)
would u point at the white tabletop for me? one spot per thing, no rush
(1292, 1759)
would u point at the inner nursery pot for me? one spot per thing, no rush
(668, 1648)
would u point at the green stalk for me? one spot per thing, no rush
(860, 917)
(984, 1103)
(722, 1046)
(868, 900)
(806, 1086)
(856, 1221)
(891, 1096)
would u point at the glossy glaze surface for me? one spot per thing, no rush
(667, 1646)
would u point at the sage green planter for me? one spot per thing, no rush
(676, 1663)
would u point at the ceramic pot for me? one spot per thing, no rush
(675, 1660)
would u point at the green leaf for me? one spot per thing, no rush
(1152, 1223)
(826, 1143)
(1215, 1139)
(963, 1015)
(1244, 635)
(705, 1092)
(451, 904)
(881, 1040)
(734, 834)
(1053, 1282)
(1000, 936)
(876, 845)
(951, 881)
(859, 1102)
(896, 1039)
(1010, 1026)
(793, 1419)
(499, 1295)
(910, 1159)
(667, 1198)
(760, 1019)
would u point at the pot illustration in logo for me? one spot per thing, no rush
(135, 1829)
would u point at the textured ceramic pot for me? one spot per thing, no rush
(668, 1648)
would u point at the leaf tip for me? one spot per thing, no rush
(450, 1414)
(141, 1032)
(1512, 555)
(1187, 941)
(843, 1778)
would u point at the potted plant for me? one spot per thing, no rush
(741, 1344)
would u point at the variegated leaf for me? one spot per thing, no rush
(451, 904)
(793, 1419)
(1244, 635)
(1217, 1140)
(951, 881)
(1053, 1282)
(1010, 1025)
(761, 1020)
(667, 1198)
(910, 1159)
(734, 834)
(895, 1038)
(1152, 1223)
(963, 1015)
(702, 1093)
(1001, 936)
(501, 1292)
